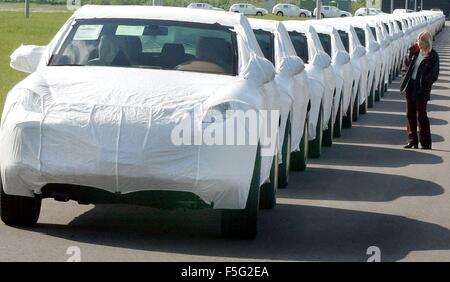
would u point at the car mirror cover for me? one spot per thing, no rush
(26, 58)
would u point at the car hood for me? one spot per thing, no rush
(125, 86)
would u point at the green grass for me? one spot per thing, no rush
(15, 29)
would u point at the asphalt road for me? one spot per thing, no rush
(365, 191)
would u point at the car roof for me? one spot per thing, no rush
(158, 13)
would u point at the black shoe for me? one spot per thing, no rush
(426, 147)
(411, 145)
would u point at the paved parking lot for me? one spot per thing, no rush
(365, 191)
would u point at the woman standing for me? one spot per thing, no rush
(421, 71)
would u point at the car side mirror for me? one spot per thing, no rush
(26, 58)
(342, 58)
(291, 65)
(260, 70)
(321, 59)
(359, 51)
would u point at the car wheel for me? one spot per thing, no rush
(327, 140)
(363, 107)
(343, 15)
(378, 93)
(283, 176)
(243, 224)
(299, 159)
(279, 13)
(385, 89)
(18, 210)
(302, 15)
(268, 196)
(371, 97)
(259, 14)
(315, 146)
(322, 16)
(355, 116)
(339, 117)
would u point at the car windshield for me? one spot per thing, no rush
(361, 36)
(345, 40)
(266, 43)
(169, 45)
(325, 40)
(374, 32)
(300, 44)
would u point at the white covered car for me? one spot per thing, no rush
(203, 6)
(127, 104)
(332, 12)
(321, 80)
(374, 58)
(248, 9)
(340, 61)
(290, 10)
(372, 12)
(359, 63)
(293, 85)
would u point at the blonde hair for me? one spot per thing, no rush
(425, 38)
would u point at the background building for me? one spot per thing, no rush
(427, 4)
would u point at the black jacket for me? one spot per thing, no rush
(427, 73)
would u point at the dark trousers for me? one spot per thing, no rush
(416, 111)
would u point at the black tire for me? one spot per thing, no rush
(371, 97)
(268, 195)
(299, 159)
(347, 121)
(343, 16)
(259, 14)
(327, 140)
(315, 146)
(385, 89)
(355, 109)
(337, 131)
(363, 107)
(322, 16)
(243, 224)
(18, 210)
(378, 93)
(302, 15)
(285, 166)
(280, 14)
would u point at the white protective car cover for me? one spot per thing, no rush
(340, 61)
(358, 58)
(320, 91)
(372, 53)
(291, 80)
(383, 52)
(111, 128)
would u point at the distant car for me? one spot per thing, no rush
(372, 11)
(248, 9)
(290, 10)
(204, 6)
(332, 12)
(401, 11)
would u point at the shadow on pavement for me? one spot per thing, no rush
(388, 119)
(302, 233)
(381, 135)
(348, 185)
(439, 97)
(360, 155)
